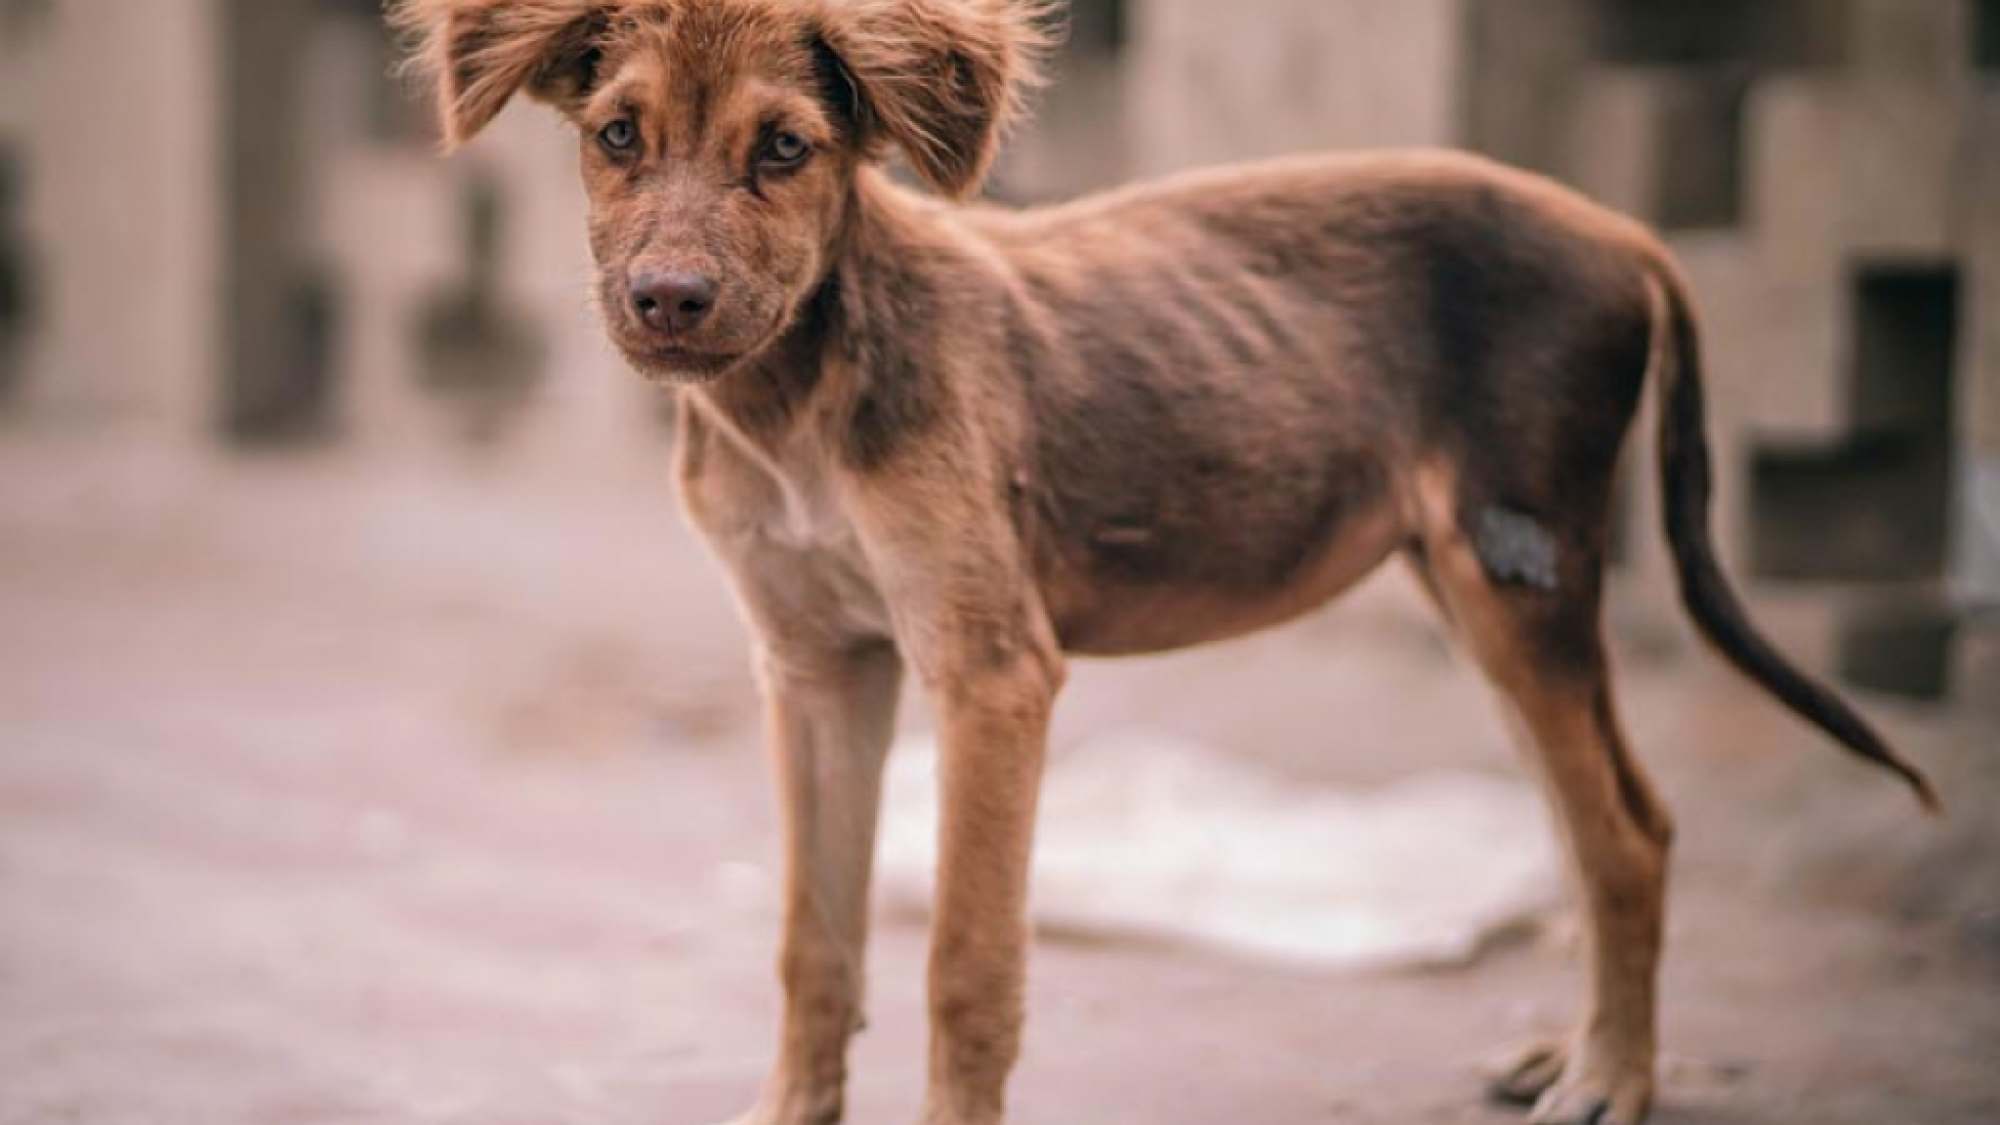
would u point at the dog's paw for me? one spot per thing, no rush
(1522, 1076)
(1591, 1088)
(934, 1118)
(1594, 1100)
(759, 1117)
(788, 1114)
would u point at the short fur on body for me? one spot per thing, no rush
(967, 441)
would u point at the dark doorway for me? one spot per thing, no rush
(1876, 505)
(1700, 164)
(278, 313)
(1986, 35)
(1097, 26)
(17, 270)
(1761, 33)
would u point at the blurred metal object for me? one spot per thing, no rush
(1145, 836)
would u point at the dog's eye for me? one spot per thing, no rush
(621, 136)
(785, 149)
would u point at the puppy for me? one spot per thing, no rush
(967, 441)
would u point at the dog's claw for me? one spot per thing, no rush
(1522, 1078)
(1589, 1104)
(788, 1115)
(1593, 1091)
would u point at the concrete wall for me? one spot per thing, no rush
(122, 207)
(1213, 82)
(1856, 133)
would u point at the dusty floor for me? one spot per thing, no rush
(427, 794)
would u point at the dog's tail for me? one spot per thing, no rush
(1684, 494)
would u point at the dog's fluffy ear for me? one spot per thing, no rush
(480, 53)
(940, 78)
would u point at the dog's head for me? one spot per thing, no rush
(720, 138)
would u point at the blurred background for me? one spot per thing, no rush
(377, 744)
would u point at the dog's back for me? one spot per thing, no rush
(1235, 377)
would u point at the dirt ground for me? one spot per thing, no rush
(335, 791)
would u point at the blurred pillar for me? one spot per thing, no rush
(1525, 60)
(17, 274)
(1976, 568)
(111, 109)
(278, 328)
(1076, 140)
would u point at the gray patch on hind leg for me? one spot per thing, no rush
(1515, 548)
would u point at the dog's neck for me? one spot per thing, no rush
(849, 330)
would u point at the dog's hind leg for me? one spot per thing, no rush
(1525, 604)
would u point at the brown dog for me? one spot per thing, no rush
(969, 440)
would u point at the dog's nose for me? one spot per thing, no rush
(671, 301)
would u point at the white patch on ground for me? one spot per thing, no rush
(1143, 836)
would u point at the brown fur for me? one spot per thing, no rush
(968, 441)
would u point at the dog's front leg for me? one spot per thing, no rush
(994, 727)
(968, 616)
(830, 721)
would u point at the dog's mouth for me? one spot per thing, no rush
(665, 360)
(678, 363)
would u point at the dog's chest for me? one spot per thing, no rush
(793, 553)
(815, 578)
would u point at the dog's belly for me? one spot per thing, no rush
(1102, 605)
(1180, 493)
